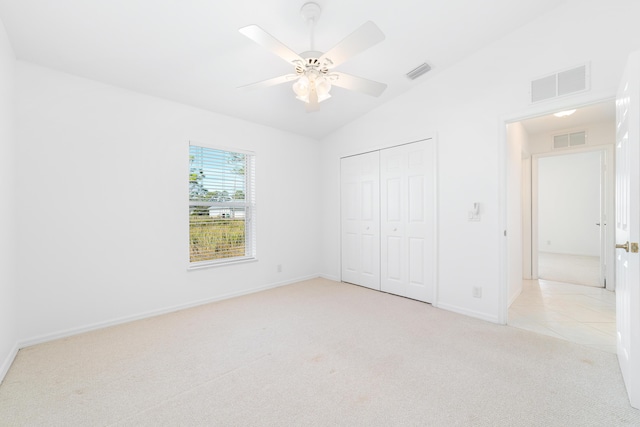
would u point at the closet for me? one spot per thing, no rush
(388, 220)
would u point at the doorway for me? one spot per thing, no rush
(556, 160)
(569, 225)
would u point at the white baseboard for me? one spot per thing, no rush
(470, 313)
(330, 277)
(6, 364)
(515, 297)
(100, 325)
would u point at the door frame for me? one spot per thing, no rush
(390, 144)
(533, 111)
(606, 246)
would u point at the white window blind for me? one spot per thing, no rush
(221, 206)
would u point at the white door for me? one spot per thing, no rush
(628, 227)
(360, 211)
(407, 220)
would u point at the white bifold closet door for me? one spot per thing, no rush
(388, 220)
(360, 201)
(407, 232)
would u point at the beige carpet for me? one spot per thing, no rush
(316, 353)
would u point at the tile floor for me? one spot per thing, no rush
(581, 314)
(578, 269)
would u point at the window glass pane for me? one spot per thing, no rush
(216, 233)
(221, 210)
(216, 175)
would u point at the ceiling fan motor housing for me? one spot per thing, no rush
(311, 66)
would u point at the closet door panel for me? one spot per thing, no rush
(369, 258)
(393, 260)
(350, 253)
(360, 219)
(392, 200)
(421, 226)
(409, 171)
(416, 199)
(416, 265)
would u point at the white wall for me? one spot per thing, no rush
(569, 204)
(467, 106)
(598, 133)
(8, 296)
(102, 197)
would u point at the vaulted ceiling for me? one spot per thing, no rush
(190, 51)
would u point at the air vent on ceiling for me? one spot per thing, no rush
(572, 139)
(559, 84)
(418, 71)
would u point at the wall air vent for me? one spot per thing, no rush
(562, 83)
(567, 140)
(418, 71)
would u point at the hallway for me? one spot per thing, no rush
(580, 314)
(576, 269)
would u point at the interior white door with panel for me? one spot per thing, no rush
(360, 211)
(628, 227)
(407, 220)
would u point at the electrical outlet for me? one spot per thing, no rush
(477, 292)
(279, 268)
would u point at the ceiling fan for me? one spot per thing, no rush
(314, 71)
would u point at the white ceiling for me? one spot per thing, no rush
(190, 51)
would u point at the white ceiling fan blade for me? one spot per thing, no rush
(359, 84)
(271, 82)
(313, 104)
(361, 39)
(269, 42)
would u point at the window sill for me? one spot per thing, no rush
(211, 264)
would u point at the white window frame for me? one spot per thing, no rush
(248, 204)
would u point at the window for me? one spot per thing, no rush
(221, 206)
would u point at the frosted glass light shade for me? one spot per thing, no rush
(323, 86)
(301, 87)
(306, 84)
(303, 98)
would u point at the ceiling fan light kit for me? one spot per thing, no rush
(314, 75)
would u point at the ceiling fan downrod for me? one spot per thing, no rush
(311, 12)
